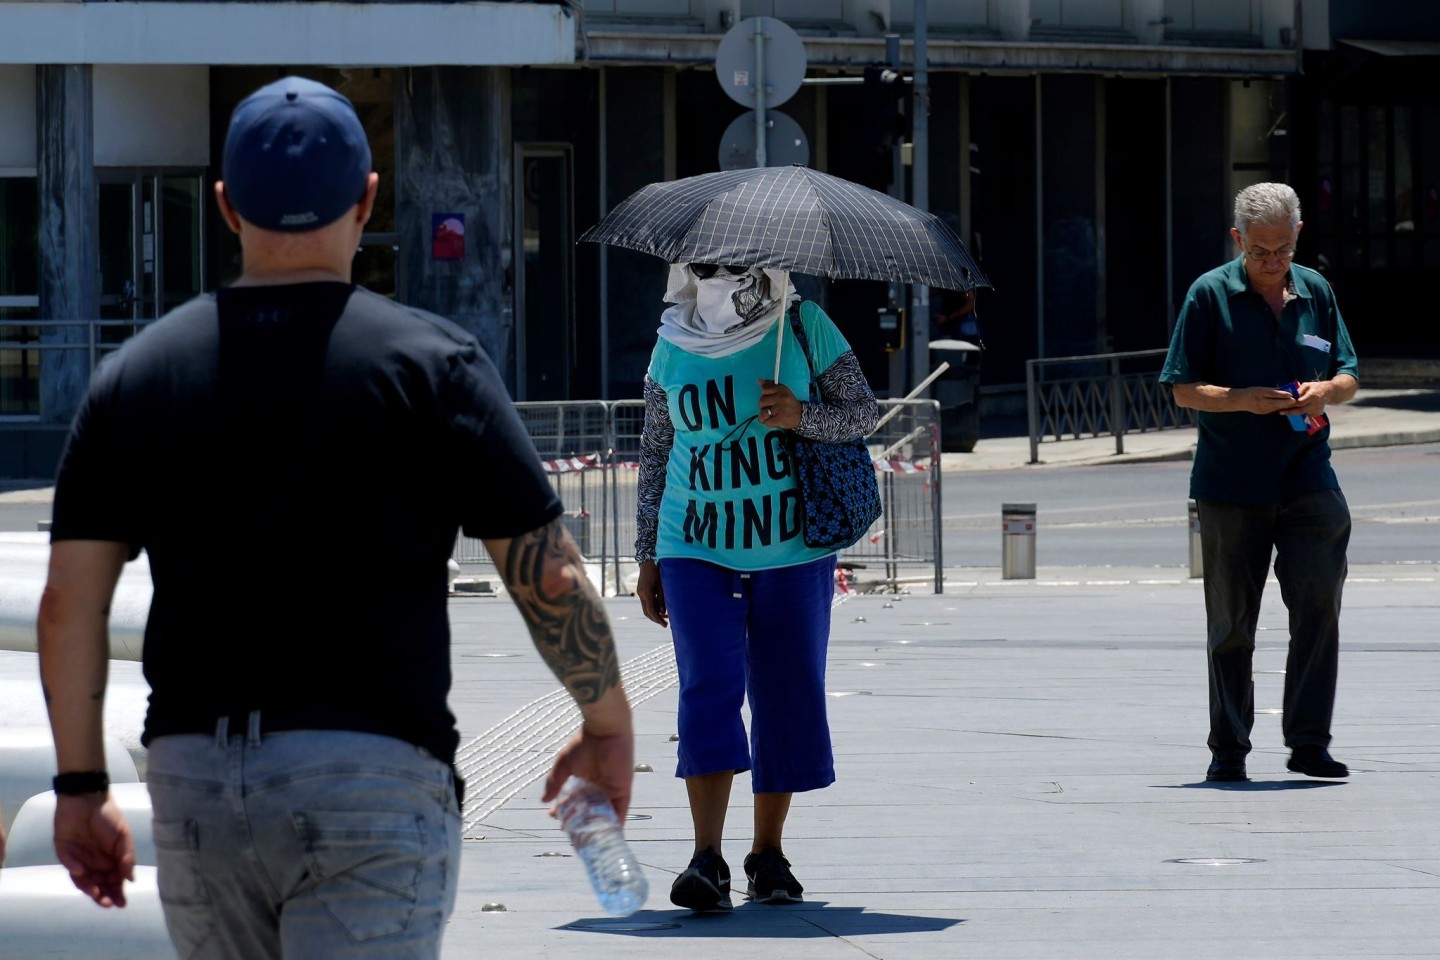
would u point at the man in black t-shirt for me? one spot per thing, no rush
(300, 744)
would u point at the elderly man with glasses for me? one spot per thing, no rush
(1260, 351)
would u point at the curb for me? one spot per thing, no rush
(1397, 439)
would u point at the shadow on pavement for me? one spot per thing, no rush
(767, 921)
(1250, 786)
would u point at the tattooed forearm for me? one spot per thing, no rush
(566, 619)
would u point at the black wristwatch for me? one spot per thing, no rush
(76, 784)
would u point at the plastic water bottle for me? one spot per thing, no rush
(587, 816)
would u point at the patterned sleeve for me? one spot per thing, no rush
(656, 439)
(846, 408)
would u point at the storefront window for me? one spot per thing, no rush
(1322, 213)
(19, 241)
(1429, 186)
(1352, 214)
(19, 296)
(1404, 192)
(1376, 195)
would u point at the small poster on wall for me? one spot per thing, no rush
(447, 236)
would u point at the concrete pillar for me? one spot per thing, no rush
(453, 128)
(69, 230)
(1011, 18)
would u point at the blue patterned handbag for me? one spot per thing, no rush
(838, 492)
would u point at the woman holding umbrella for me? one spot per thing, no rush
(722, 558)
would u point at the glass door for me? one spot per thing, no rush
(151, 247)
(544, 290)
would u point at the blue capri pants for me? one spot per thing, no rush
(760, 634)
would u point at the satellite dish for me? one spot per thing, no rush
(735, 65)
(785, 142)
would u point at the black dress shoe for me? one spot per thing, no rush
(1316, 761)
(1226, 770)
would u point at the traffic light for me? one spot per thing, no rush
(891, 319)
(885, 123)
(886, 92)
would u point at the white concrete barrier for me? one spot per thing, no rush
(27, 764)
(43, 915)
(32, 835)
(24, 559)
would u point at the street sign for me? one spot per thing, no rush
(780, 68)
(785, 142)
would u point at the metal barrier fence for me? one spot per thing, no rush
(591, 452)
(1074, 398)
(23, 343)
(627, 417)
(906, 451)
(573, 440)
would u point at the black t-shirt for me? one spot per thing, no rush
(296, 461)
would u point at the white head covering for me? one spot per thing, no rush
(723, 314)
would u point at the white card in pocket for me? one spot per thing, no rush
(1312, 341)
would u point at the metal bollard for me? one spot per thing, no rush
(1017, 528)
(1197, 558)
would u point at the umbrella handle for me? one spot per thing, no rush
(780, 336)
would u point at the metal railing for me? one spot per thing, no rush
(590, 450)
(1084, 397)
(22, 342)
(591, 453)
(906, 451)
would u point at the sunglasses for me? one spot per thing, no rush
(707, 270)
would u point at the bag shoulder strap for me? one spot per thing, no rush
(798, 326)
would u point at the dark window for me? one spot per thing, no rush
(19, 296)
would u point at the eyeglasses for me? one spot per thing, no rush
(1261, 254)
(707, 270)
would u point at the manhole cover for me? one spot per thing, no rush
(1215, 861)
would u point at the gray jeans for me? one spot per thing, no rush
(1309, 536)
(303, 844)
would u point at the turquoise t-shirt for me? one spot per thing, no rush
(730, 493)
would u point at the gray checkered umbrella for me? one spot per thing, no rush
(790, 218)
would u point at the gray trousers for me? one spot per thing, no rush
(304, 844)
(1309, 535)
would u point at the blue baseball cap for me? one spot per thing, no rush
(296, 157)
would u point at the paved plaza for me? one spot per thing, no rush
(1021, 775)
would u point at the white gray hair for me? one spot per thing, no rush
(1270, 204)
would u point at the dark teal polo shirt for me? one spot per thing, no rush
(1228, 336)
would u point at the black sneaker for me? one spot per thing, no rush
(705, 884)
(770, 878)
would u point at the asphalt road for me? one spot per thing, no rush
(1130, 514)
(1135, 514)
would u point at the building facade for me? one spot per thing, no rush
(1087, 150)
